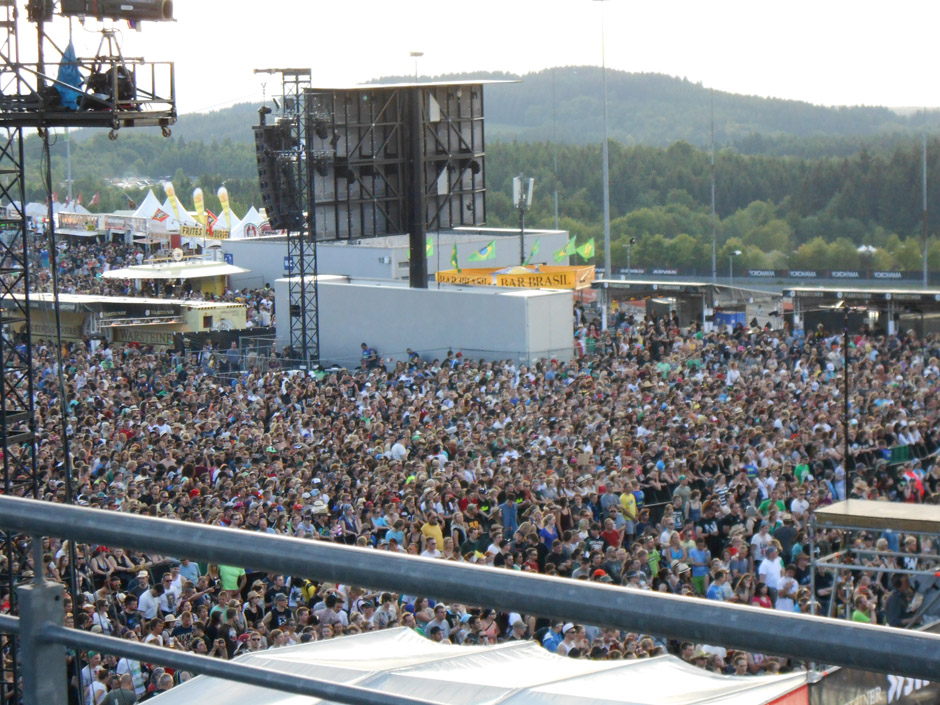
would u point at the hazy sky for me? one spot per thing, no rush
(830, 52)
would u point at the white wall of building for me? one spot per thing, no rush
(387, 257)
(489, 323)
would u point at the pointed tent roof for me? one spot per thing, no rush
(223, 222)
(148, 207)
(252, 217)
(184, 217)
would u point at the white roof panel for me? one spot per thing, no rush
(523, 673)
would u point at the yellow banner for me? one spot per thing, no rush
(546, 277)
(199, 231)
(465, 277)
(200, 205)
(226, 206)
(171, 196)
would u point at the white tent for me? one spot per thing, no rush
(227, 221)
(249, 226)
(149, 207)
(36, 210)
(184, 218)
(399, 661)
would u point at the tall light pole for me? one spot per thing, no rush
(555, 148)
(607, 271)
(845, 390)
(714, 217)
(734, 253)
(522, 199)
(925, 196)
(416, 55)
(629, 245)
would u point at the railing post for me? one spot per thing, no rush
(42, 663)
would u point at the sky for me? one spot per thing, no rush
(832, 52)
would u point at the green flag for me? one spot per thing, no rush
(429, 246)
(587, 249)
(534, 252)
(568, 249)
(486, 252)
(453, 259)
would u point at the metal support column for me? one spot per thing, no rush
(303, 298)
(43, 662)
(414, 187)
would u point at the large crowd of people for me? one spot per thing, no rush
(663, 458)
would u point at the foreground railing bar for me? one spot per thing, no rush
(835, 642)
(876, 569)
(9, 625)
(229, 670)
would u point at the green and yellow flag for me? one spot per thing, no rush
(587, 249)
(568, 249)
(453, 259)
(429, 246)
(486, 252)
(535, 250)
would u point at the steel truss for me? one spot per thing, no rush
(112, 92)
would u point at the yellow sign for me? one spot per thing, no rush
(541, 277)
(199, 231)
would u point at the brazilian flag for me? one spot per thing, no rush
(567, 250)
(535, 250)
(429, 247)
(486, 252)
(587, 249)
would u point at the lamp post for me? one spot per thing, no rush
(416, 55)
(629, 245)
(845, 390)
(605, 155)
(734, 253)
(522, 198)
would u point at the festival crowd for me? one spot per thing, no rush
(664, 458)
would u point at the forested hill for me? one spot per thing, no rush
(659, 110)
(650, 109)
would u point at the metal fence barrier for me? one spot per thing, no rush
(42, 636)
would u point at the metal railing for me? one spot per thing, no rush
(42, 636)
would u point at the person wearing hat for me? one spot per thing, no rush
(279, 614)
(771, 571)
(140, 584)
(569, 641)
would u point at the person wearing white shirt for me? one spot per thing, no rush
(149, 602)
(771, 572)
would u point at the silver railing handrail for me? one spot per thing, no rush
(836, 642)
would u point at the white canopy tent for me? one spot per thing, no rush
(227, 220)
(399, 661)
(178, 215)
(190, 269)
(248, 226)
(148, 207)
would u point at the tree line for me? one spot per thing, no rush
(781, 211)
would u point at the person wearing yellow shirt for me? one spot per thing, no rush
(628, 502)
(432, 529)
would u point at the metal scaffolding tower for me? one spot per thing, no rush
(57, 90)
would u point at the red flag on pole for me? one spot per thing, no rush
(79, 199)
(55, 196)
(96, 199)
